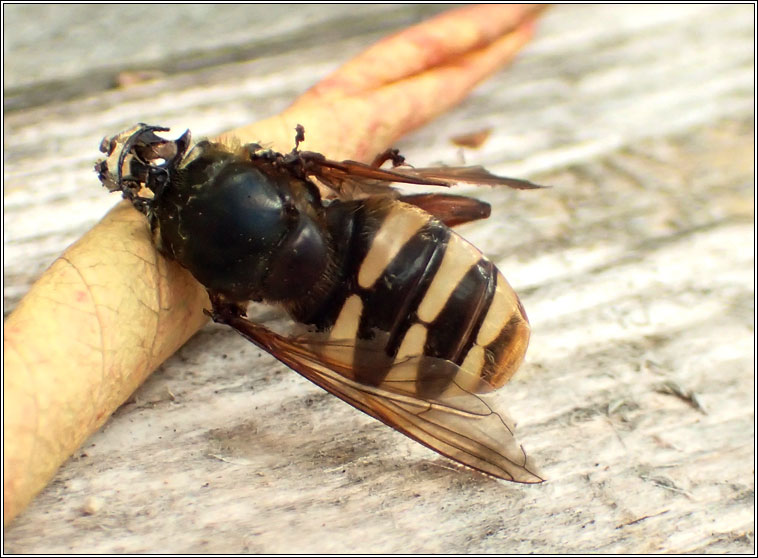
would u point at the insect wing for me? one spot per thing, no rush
(450, 209)
(352, 179)
(476, 176)
(336, 171)
(457, 424)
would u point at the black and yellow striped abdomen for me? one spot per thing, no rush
(406, 321)
(409, 286)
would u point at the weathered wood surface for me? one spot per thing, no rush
(636, 269)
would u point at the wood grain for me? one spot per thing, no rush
(636, 270)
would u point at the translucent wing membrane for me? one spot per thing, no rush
(477, 176)
(349, 178)
(456, 423)
(450, 209)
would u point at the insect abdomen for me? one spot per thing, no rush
(410, 286)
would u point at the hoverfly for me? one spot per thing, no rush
(407, 321)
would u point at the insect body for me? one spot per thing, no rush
(407, 321)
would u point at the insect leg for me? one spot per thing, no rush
(390, 154)
(299, 136)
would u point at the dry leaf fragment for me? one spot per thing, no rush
(472, 140)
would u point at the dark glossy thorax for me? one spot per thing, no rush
(246, 229)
